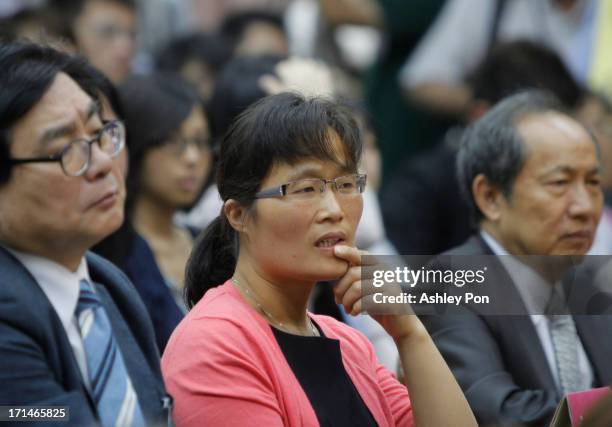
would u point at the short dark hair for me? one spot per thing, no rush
(27, 70)
(67, 11)
(95, 83)
(519, 65)
(493, 146)
(279, 129)
(212, 49)
(236, 88)
(235, 24)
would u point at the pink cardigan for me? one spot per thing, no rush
(224, 367)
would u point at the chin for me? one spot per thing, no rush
(332, 270)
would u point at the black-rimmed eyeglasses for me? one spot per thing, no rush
(75, 158)
(313, 187)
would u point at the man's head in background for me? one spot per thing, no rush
(255, 33)
(103, 31)
(197, 58)
(531, 174)
(61, 188)
(36, 24)
(514, 66)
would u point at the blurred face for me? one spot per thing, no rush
(556, 200)
(200, 76)
(173, 174)
(294, 239)
(43, 210)
(262, 38)
(105, 34)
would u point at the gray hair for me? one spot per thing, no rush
(493, 146)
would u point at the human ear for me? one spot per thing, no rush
(488, 197)
(235, 214)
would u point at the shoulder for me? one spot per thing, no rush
(474, 245)
(218, 323)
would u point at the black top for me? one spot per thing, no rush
(317, 364)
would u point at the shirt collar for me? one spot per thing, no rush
(60, 285)
(534, 290)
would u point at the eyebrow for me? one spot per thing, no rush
(315, 172)
(68, 128)
(567, 169)
(307, 172)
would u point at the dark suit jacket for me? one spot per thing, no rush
(421, 204)
(499, 361)
(37, 364)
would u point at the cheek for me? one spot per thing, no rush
(353, 213)
(282, 235)
(59, 197)
(155, 174)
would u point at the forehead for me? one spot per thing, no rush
(554, 139)
(103, 10)
(63, 102)
(195, 122)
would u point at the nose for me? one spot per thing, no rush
(330, 207)
(192, 154)
(585, 201)
(100, 164)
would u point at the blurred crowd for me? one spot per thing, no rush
(417, 77)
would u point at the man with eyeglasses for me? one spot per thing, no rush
(73, 331)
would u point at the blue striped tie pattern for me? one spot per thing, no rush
(110, 384)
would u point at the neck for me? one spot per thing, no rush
(284, 299)
(65, 255)
(550, 267)
(151, 217)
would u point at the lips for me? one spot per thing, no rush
(107, 198)
(579, 235)
(330, 240)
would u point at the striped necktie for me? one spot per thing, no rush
(110, 384)
(565, 343)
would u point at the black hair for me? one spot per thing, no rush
(235, 24)
(493, 146)
(279, 129)
(68, 11)
(27, 70)
(95, 83)
(236, 88)
(518, 65)
(45, 20)
(155, 106)
(211, 49)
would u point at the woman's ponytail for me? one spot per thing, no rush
(212, 260)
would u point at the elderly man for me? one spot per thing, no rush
(532, 177)
(73, 331)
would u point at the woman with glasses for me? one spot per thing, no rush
(169, 161)
(249, 353)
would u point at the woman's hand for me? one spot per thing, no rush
(426, 374)
(355, 291)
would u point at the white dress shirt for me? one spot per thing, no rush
(535, 293)
(458, 39)
(62, 288)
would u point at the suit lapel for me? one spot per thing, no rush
(519, 323)
(592, 331)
